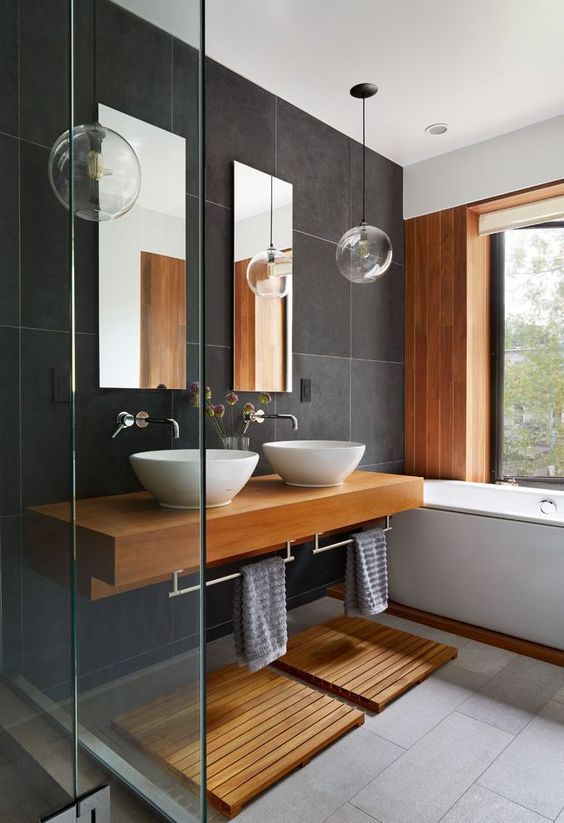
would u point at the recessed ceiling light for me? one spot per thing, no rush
(436, 128)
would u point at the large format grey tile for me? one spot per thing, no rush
(479, 805)
(45, 272)
(348, 814)
(134, 65)
(321, 299)
(310, 795)
(377, 410)
(384, 195)
(483, 659)
(11, 608)
(44, 70)
(414, 714)
(530, 770)
(185, 112)
(425, 781)
(377, 318)
(44, 424)
(219, 276)
(327, 416)
(9, 229)
(9, 66)
(240, 125)
(10, 477)
(316, 159)
(511, 698)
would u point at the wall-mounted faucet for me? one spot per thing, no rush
(260, 416)
(142, 419)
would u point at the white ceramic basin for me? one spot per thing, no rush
(173, 476)
(314, 463)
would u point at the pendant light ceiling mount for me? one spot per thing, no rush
(362, 91)
(364, 252)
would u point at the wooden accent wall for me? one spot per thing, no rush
(447, 347)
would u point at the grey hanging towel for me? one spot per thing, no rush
(260, 625)
(366, 579)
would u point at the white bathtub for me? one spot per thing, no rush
(486, 555)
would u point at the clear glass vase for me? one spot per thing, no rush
(237, 443)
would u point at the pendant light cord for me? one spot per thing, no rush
(271, 206)
(364, 160)
(94, 60)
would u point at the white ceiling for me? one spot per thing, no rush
(486, 67)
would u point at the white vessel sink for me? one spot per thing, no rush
(173, 476)
(314, 463)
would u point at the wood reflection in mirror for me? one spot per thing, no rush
(163, 321)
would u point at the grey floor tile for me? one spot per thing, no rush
(483, 659)
(414, 714)
(531, 770)
(511, 698)
(480, 805)
(310, 795)
(421, 785)
(420, 629)
(348, 814)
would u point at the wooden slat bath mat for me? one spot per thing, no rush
(367, 663)
(261, 726)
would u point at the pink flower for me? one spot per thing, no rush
(231, 398)
(248, 408)
(219, 410)
(195, 388)
(264, 398)
(208, 393)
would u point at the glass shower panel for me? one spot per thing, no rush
(137, 279)
(37, 751)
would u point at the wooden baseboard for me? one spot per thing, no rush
(492, 638)
(447, 624)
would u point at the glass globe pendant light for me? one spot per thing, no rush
(102, 168)
(364, 252)
(269, 272)
(95, 165)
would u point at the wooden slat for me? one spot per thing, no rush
(261, 726)
(368, 663)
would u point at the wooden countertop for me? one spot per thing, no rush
(128, 540)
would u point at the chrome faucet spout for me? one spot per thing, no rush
(167, 421)
(260, 416)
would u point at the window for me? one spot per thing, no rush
(528, 348)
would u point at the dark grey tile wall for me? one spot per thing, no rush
(348, 340)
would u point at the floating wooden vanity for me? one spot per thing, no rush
(128, 541)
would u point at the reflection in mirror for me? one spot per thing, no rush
(142, 267)
(262, 325)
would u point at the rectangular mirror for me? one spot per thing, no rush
(142, 267)
(262, 324)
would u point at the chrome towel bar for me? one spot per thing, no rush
(320, 549)
(176, 592)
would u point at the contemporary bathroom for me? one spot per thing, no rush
(281, 411)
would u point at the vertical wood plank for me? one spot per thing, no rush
(446, 354)
(409, 431)
(459, 345)
(479, 347)
(421, 338)
(433, 344)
